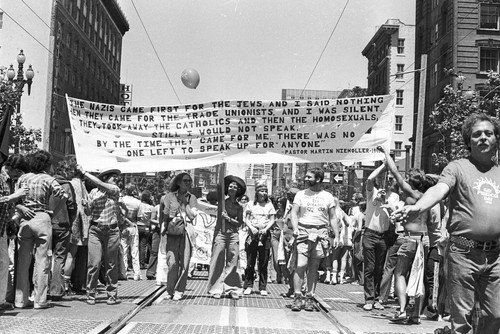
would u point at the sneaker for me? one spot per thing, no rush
(216, 296)
(113, 301)
(6, 306)
(333, 280)
(368, 307)
(177, 296)
(378, 306)
(42, 306)
(287, 294)
(263, 293)
(68, 287)
(248, 291)
(235, 295)
(309, 305)
(137, 278)
(327, 277)
(91, 301)
(297, 302)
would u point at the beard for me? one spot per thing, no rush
(262, 198)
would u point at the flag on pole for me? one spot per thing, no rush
(5, 133)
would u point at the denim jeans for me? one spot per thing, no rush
(103, 247)
(374, 251)
(153, 256)
(391, 260)
(474, 274)
(223, 275)
(130, 240)
(4, 267)
(60, 246)
(34, 235)
(178, 256)
(254, 251)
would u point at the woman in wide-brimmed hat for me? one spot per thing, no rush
(223, 277)
(177, 210)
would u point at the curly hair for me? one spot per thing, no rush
(17, 161)
(66, 168)
(39, 161)
(318, 173)
(475, 118)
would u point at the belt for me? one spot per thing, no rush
(104, 226)
(416, 234)
(369, 230)
(312, 226)
(463, 241)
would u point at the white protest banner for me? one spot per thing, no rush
(161, 138)
(204, 225)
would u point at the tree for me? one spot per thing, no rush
(22, 139)
(451, 112)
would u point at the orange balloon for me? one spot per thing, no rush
(190, 78)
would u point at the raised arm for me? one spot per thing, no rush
(391, 166)
(371, 178)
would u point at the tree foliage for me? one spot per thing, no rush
(22, 138)
(452, 110)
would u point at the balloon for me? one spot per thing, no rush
(190, 78)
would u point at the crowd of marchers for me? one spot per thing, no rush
(425, 242)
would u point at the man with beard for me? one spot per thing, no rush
(473, 251)
(313, 212)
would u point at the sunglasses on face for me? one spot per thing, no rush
(187, 180)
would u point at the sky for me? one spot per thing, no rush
(249, 49)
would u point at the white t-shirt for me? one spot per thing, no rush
(259, 214)
(314, 207)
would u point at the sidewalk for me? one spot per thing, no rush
(345, 303)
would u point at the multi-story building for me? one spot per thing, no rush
(460, 35)
(75, 49)
(391, 59)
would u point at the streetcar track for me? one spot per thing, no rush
(123, 320)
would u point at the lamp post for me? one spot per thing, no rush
(19, 81)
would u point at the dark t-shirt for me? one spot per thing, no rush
(474, 200)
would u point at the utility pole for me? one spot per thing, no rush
(420, 112)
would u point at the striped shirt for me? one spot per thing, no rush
(104, 205)
(5, 206)
(40, 187)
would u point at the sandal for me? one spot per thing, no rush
(398, 317)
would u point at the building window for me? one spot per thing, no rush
(399, 97)
(489, 16)
(398, 126)
(434, 74)
(488, 59)
(398, 146)
(401, 69)
(436, 32)
(401, 46)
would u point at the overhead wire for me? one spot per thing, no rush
(326, 45)
(31, 35)
(31, 9)
(156, 53)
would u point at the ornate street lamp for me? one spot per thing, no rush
(19, 81)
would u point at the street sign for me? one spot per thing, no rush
(338, 178)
